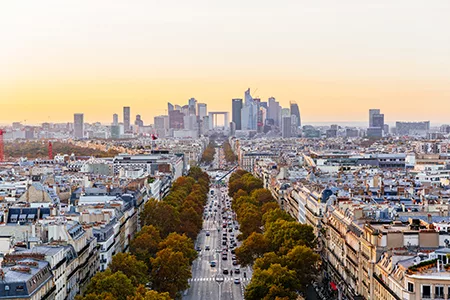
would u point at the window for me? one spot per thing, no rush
(426, 291)
(439, 291)
(410, 287)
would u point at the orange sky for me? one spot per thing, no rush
(335, 60)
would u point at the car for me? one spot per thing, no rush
(224, 257)
(234, 244)
(237, 270)
(212, 264)
(224, 243)
(225, 271)
(233, 251)
(236, 227)
(198, 248)
(230, 230)
(207, 248)
(237, 280)
(208, 233)
(235, 263)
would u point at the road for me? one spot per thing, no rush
(204, 283)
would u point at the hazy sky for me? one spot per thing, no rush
(337, 59)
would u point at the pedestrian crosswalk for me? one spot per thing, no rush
(214, 279)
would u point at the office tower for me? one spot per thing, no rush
(169, 107)
(296, 112)
(115, 131)
(138, 121)
(202, 110)
(232, 128)
(263, 104)
(192, 104)
(285, 112)
(161, 124)
(412, 128)
(78, 126)
(274, 111)
(176, 119)
(126, 118)
(262, 116)
(236, 107)
(190, 122)
(372, 112)
(249, 112)
(115, 119)
(286, 127)
(378, 121)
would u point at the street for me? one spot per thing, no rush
(218, 235)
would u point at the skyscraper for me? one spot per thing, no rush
(372, 112)
(192, 103)
(236, 112)
(126, 119)
(202, 110)
(78, 126)
(286, 125)
(115, 121)
(296, 112)
(138, 121)
(169, 107)
(249, 112)
(274, 111)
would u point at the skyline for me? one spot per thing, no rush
(94, 58)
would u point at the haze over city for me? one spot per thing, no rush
(94, 57)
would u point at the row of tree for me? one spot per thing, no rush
(208, 154)
(161, 253)
(278, 247)
(33, 150)
(228, 152)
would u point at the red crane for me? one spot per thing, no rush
(50, 150)
(2, 147)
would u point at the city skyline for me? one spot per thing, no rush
(327, 57)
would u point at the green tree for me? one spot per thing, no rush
(143, 294)
(145, 244)
(253, 247)
(276, 281)
(161, 215)
(180, 243)
(303, 261)
(117, 284)
(170, 272)
(262, 196)
(274, 215)
(94, 296)
(268, 207)
(134, 269)
(285, 235)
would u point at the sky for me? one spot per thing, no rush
(336, 59)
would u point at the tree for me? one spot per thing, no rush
(253, 247)
(268, 207)
(180, 243)
(274, 215)
(161, 215)
(170, 272)
(145, 244)
(190, 222)
(117, 284)
(250, 219)
(267, 260)
(276, 281)
(143, 294)
(134, 269)
(262, 196)
(94, 296)
(303, 261)
(285, 235)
